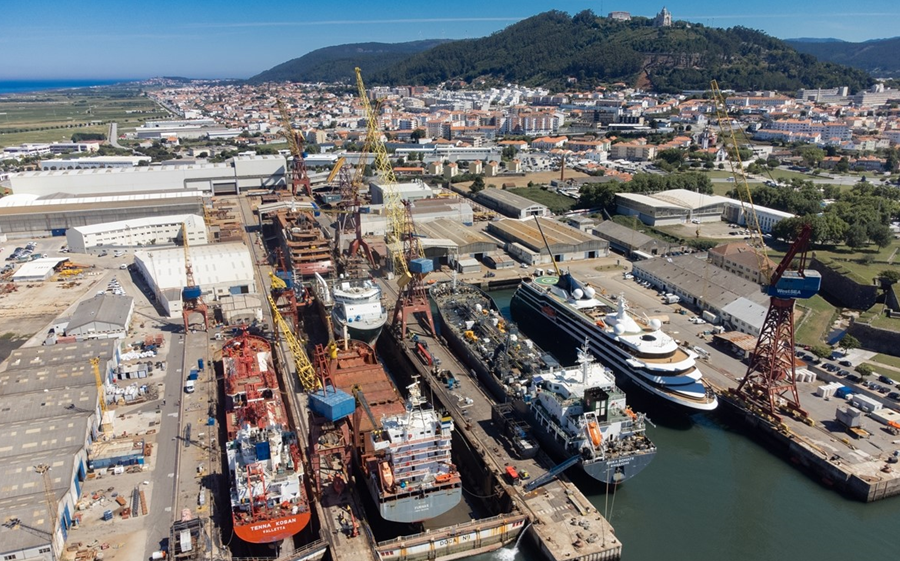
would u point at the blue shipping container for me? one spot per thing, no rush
(332, 404)
(262, 451)
(421, 266)
(199, 364)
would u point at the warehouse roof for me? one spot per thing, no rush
(652, 202)
(211, 264)
(560, 237)
(191, 219)
(106, 308)
(701, 280)
(690, 199)
(748, 311)
(37, 269)
(65, 402)
(47, 378)
(622, 235)
(60, 202)
(28, 358)
(506, 198)
(463, 236)
(24, 439)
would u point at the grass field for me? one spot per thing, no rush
(879, 370)
(818, 316)
(55, 116)
(887, 359)
(556, 202)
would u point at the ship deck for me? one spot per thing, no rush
(367, 374)
(552, 505)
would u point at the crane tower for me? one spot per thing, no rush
(191, 295)
(299, 175)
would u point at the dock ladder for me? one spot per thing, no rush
(550, 475)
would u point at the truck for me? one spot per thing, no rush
(189, 386)
(192, 377)
(671, 298)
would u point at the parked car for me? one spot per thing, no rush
(894, 395)
(845, 363)
(843, 372)
(886, 380)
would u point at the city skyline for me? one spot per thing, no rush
(229, 39)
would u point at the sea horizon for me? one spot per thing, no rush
(27, 86)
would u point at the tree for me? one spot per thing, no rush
(864, 370)
(849, 342)
(821, 351)
(597, 195)
(856, 236)
(811, 155)
(477, 185)
(881, 235)
(417, 134)
(889, 276)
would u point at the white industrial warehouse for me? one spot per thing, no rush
(219, 269)
(239, 174)
(152, 230)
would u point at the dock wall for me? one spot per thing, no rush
(828, 473)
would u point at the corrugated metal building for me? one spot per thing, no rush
(524, 241)
(219, 269)
(105, 316)
(510, 204)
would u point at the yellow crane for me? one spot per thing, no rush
(305, 370)
(740, 180)
(336, 169)
(52, 505)
(398, 225)
(101, 392)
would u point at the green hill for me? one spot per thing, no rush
(335, 64)
(879, 57)
(551, 47)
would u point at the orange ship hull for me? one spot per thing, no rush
(268, 531)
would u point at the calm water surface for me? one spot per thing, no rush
(713, 494)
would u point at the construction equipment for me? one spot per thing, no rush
(338, 166)
(299, 175)
(770, 381)
(101, 393)
(740, 180)
(551, 475)
(410, 266)
(282, 290)
(191, 295)
(52, 504)
(547, 245)
(305, 370)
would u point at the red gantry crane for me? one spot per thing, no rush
(299, 175)
(770, 381)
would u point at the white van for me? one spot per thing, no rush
(189, 386)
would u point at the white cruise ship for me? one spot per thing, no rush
(641, 351)
(358, 308)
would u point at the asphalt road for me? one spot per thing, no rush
(163, 476)
(114, 136)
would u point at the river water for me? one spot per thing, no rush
(712, 494)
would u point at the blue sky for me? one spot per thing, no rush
(227, 38)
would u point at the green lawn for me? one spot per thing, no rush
(556, 202)
(887, 359)
(55, 116)
(814, 325)
(892, 374)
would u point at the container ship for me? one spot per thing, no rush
(401, 447)
(303, 242)
(572, 411)
(635, 348)
(268, 494)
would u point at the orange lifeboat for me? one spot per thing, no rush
(442, 477)
(387, 476)
(596, 435)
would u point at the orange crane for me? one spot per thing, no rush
(191, 295)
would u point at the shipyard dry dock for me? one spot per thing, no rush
(564, 524)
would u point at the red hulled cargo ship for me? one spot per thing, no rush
(268, 494)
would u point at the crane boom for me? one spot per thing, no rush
(547, 245)
(740, 181)
(398, 227)
(337, 168)
(305, 370)
(95, 363)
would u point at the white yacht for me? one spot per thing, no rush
(358, 309)
(636, 348)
